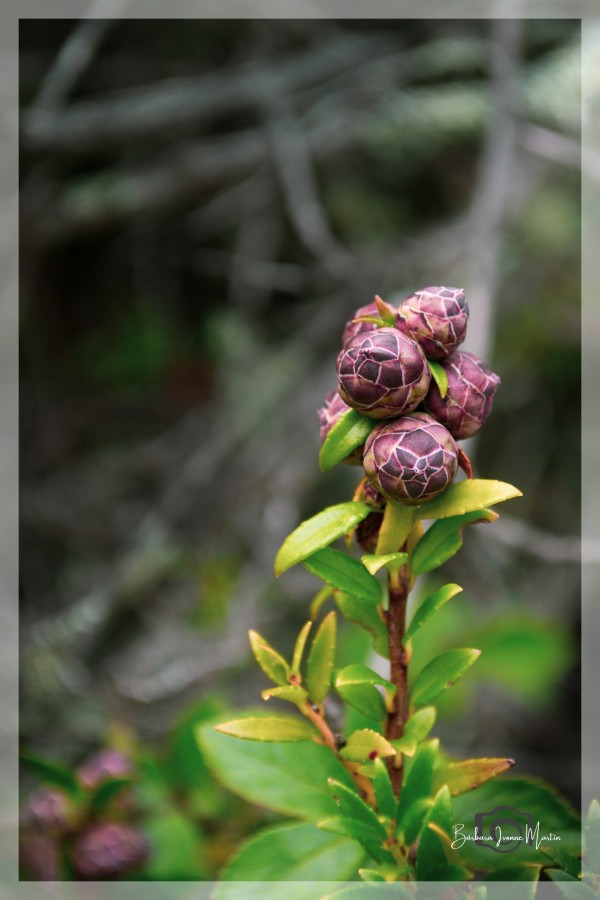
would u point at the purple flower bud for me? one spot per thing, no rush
(50, 810)
(39, 857)
(107, 850)
(328, 415)
(353, 328)
(468, 401)
(382, 374)
(102, 766)
(411, 459)
(437, 318)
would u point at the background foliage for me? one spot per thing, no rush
(203, 205)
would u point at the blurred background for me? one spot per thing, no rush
(203, 205)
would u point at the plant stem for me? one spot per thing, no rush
(319, 721)
(396, 623)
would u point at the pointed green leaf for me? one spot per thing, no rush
(290, 692)
(434, 847)
(287, 854)
(397, 524)
(366, 744)
(321, 659)
(388, 313)
(366, 615)
(444, 538)
(364, 698)
(466, 496)
(299, 648)
(405, 745)
(344, 573)
(414, 818)
(441, 673)
(419, 779)
(354, 807)
(468, 774)
(318, 600)
(429, 606)
(358, 831)
(349, 432)
(319, 532)
(420, 723)
(269, 728)
(392, 561)
(439, 375)
(569, 864)
(271, 662)
(384, 792)
(51, 773)
(355, 675)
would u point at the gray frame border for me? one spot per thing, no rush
(10, 12)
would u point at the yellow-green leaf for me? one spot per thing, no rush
(349, 432)
(392, 561)
(439, 375)
(270, 728)
(444, 539)
(429, 606)
(318, 600)
(299, 648)
(318, 532)
(468, 774)
(441, 673)
(289, 692)
(366, 744)
(397, 524)
(348, 682)
(466, 496)
(271, 662)
(321, 659)
(420, 723)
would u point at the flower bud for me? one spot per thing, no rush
(328, 415)
(50, 810)
(468, 401)
(107, 850)
(383, 374)
(102, 766)
(353, 328)
(437, 318)
(411, 459)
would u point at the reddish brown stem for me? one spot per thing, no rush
(396, 622)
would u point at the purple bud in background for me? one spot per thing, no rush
(367, 531)
(328, 415)
(382, 374)
(107, 850)
(102, 766)
(468, 401)
(437, 318)
(50, 810)
(39, 857)
(411, 459)
(353, 328)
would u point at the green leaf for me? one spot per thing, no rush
(107, 792)
(354, 807)
(392, 561)
(531, 801)
(384, 792)
(271, 662)
(365, 615)
(290, 778)
(434, 853)
(569, 864)
(397, 524)
(344, 573)
(466, 496)
(418, 781)
(366, 744)
(405, 745)
(371, 875)
(444, 538)
(429, 606)
(349, 680)
(299, 648)
(289, 692)
(358, 831)
(51, 773)
(321, 659)
(441, 673)
(288, 854)
(319, 532)
(414, 819)
(420, 723)
(364, 698)
(468, 774)
(349, 432)
(318, 600)
(176, 848)
(269, 728)
(439, 375)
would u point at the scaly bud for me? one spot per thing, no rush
(107, 850)
(468, 401)
(437, 318)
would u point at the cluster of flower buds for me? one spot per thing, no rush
(60, 830)
(384, 373)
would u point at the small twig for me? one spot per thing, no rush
(396, 623)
